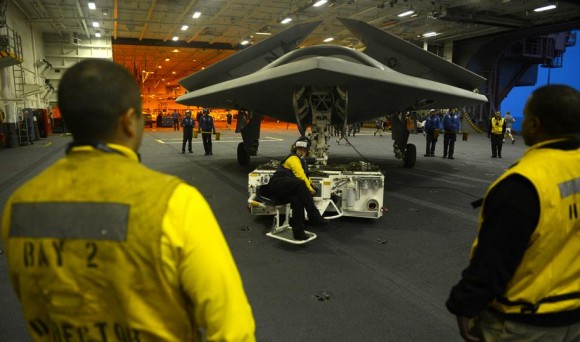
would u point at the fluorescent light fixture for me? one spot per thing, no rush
(95, 24)
(545, 8)
(184, 27)
(196, 15)
(319, 3)
(264, 33)
(406, 13)
(286, 20)
(175, 38)
(329, 39)
(430, 34)
(92, 6)
(245, 42)
(98, 34)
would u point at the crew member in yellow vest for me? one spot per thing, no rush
(496, 131)
(522, 282)
(102, 248)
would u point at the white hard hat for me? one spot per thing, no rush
(302, 144)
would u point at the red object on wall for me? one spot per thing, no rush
(45, 123)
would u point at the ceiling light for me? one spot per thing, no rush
(545, 8)
(245, 42)
(430, 34)
(105, 12)
(92, 6)
(167, 59)
(175, 38)
(196, 15)
(95, 24)
(175, 50)
(406, 13)
(319, 3)
(286, 20)
(329, 39)
(264, 33)
(184, 27)
(98, 34)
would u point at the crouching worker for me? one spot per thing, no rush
(291, 183)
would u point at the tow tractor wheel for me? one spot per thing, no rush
(243, 157)
(410, 156)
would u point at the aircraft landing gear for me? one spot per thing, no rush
(410, 156)
(243, 157)
(316, 106)
(403, 150)
(249, 126)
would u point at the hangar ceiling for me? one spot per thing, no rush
(142, 31)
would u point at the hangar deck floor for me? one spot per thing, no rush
(362, 279)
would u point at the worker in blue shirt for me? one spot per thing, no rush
(432, 127)
(451, 125)
(188, 125)
(175, 117)
(206, 128)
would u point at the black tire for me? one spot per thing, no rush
(243, 157)
(410, 156)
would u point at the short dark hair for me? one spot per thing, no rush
(93, 94)
(558, 108)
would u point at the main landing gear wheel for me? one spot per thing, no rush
(243, 157)
(410, 156)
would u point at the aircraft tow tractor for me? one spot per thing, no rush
(354, 189)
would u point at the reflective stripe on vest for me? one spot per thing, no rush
(100, 221)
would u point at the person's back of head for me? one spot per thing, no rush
(558, 109)
(92, 96)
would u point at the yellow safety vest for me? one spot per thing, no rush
(497, 125)
(546, 281)
(88, 266)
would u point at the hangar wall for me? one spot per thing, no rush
(31, 68)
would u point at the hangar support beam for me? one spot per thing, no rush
(494, 57)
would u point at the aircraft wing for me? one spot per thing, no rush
(373, 89)
(250, 59)
(408, 58)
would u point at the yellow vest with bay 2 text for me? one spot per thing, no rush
(85, 253)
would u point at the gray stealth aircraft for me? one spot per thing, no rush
(324, 85)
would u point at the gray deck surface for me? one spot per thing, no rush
(361, 279)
